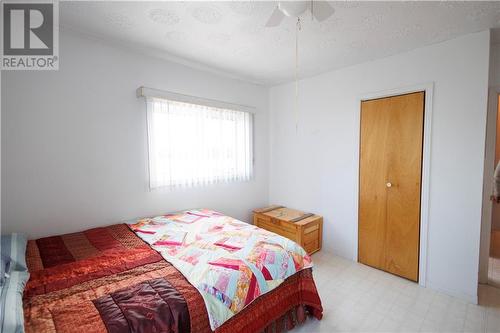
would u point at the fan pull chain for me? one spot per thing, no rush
(297, 75)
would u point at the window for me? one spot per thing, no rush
(192, 145)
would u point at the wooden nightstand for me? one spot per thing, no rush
(304, 228)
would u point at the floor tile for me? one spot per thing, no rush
(358, 298)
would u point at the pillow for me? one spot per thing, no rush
(4, 269)
(11, 302)
(14, 247)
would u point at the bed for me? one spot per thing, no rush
(114, 279)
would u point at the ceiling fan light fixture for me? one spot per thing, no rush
(293, 8)
(320, 10)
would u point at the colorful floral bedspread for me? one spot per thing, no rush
(230, 262)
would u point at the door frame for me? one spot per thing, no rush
(428, 88)
(487, 208)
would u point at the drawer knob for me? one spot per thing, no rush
(388, 185)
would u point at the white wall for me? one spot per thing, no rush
(316, 169)
(74, 141)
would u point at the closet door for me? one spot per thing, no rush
(390, 183)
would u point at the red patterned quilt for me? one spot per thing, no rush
(109, 280)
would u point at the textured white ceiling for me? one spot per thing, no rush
(230, 36)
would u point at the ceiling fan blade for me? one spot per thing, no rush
(276, 17)
(322, 10)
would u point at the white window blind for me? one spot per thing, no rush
(194, 145)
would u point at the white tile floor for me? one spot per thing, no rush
(494, 272)
(358, 298)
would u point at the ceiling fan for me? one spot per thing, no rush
(320, 10)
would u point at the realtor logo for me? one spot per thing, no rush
(30, 35)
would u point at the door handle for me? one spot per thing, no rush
(388, 185)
